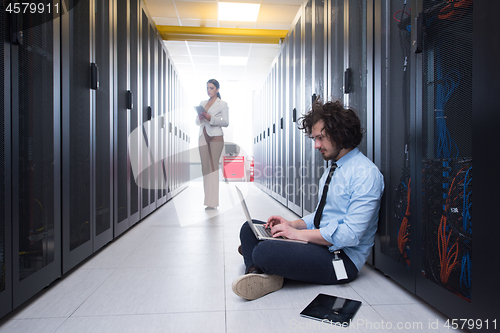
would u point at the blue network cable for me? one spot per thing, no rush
(445, 87)
(466, 217)
(465, 274)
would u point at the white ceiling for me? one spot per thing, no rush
(200, 61)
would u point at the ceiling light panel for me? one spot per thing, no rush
(245, 12)
(196, 10)
(233, 61)
(234, 51)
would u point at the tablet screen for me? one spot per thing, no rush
(199, 109)
(332, 309)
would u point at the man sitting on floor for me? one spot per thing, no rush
(340, 233)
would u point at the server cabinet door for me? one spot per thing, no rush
(161, 194)
(280, 175)
(5, 162)
(267, 127)
(393, 66)
(147, 158)
(485, 123)
(79, 82)
(335, 47)
(298, 136)
(134, 114)
(444, 154)
(153, 125)
(356, 67)
(290, 165)
(122, 106)
(173, 164)
(170, 138)
(103, 144)
(274, 134)
(282, 126)
(309, 187)
(319, 89)
(35, 157)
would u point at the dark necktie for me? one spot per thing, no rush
(319, 211)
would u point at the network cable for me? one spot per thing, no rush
(446, 85)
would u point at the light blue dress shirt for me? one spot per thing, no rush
(350, 216)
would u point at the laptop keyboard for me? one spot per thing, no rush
(265, 232)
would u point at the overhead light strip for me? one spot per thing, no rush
(231, 35)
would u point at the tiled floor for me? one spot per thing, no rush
(173, 272)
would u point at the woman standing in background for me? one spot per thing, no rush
(211, 141)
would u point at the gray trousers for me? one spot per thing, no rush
(210, 151)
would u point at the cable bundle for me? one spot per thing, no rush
(455, 234)
(446, 85)
(402, 217)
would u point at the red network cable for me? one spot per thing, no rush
(448, 258)
(454, 9)
(399, 11)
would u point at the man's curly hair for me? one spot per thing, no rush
(342, 125)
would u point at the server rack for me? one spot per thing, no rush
(319, 86)
(35, 173)
(284, 124)
(126, 116)
(87, 130)
(356, 57)
(175, 150)
(146, 112)
(134, 107)
(265, 137)
(170, 130)
(5, 170)
(161, 176)
(280, 160)
(291, 186)
(65, 125)
(103, 132)
(264, 150)
(335, 49)
(175, 141)
(484, 137)
(395, 237)
(308, 192)
(272, 133)
(123, 104)
(436, 66)
(298, 108)
(77, 134)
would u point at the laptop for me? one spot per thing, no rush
(259, 231)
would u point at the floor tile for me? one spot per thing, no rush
(373, 286)
(289, 320)
(48, 325)
(65, 296)
(158, 290)
(413, 318)
(193, 322)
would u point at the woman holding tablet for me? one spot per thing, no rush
(211, 141)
